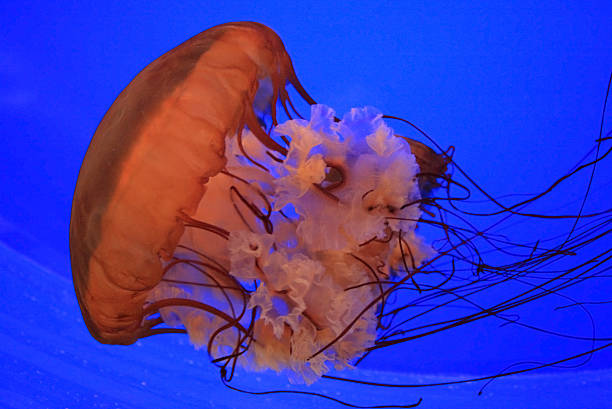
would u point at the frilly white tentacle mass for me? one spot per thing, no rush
(338, 225)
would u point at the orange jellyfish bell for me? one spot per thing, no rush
(150, 158)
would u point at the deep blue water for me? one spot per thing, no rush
(517, 88)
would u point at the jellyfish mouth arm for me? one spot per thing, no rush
(304, 293)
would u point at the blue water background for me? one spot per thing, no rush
(517, 88)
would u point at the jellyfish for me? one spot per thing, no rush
(290, 245)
